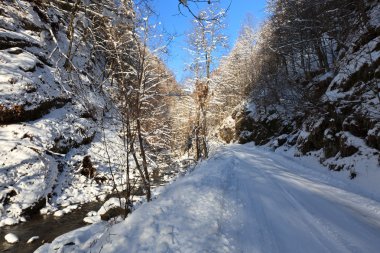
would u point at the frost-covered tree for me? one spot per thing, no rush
(131, 79)
(141, 85)
(233, 75)
(205, 40)
(191, 6)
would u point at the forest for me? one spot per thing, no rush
(91, 113)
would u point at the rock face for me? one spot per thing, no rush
(260, 130)
(39, 112)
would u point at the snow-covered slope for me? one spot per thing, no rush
(244, 199)
(51, 117)
(334, 112)
(62, 122)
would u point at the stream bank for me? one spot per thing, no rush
(48, 227)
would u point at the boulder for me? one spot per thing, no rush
(11, 238)
(88, 169)
(346, 148)
(112, 213)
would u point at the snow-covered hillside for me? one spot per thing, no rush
(322, 98)
(60, 140)
(244, 199)
(41, 118)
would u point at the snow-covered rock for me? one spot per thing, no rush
(33, 239)
(9, 221)
(92, 219)
(111, 203)
(11, 238)
(59, 213)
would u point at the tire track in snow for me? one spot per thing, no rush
(258, 224)
(343, 241)
(224, 212)
(311, 221)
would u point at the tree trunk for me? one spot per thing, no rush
(70, 35)
(144, 163)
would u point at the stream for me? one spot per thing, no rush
(47, 227)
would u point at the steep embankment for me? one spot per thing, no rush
(50, 109)
(332, 112)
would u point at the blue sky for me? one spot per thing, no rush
(175, 23)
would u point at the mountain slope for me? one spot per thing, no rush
(314, 83)
(244, 199)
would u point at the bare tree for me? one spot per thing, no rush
(233, 76)
(204, 41)
(142, 82)
(192, 5)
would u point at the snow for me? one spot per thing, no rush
(69, 209)
(252, 109)
(110, 204)
(11, 238)
(24, 79)
(14, 36)
(9, 221)
(32, 239)
(31, 172)
(356, 60)
(244, 199)
(59, 213)
(92, 219)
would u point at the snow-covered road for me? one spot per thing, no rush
(243, 199)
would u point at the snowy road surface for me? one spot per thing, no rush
(244, 199)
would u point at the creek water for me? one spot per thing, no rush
(47, 227)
